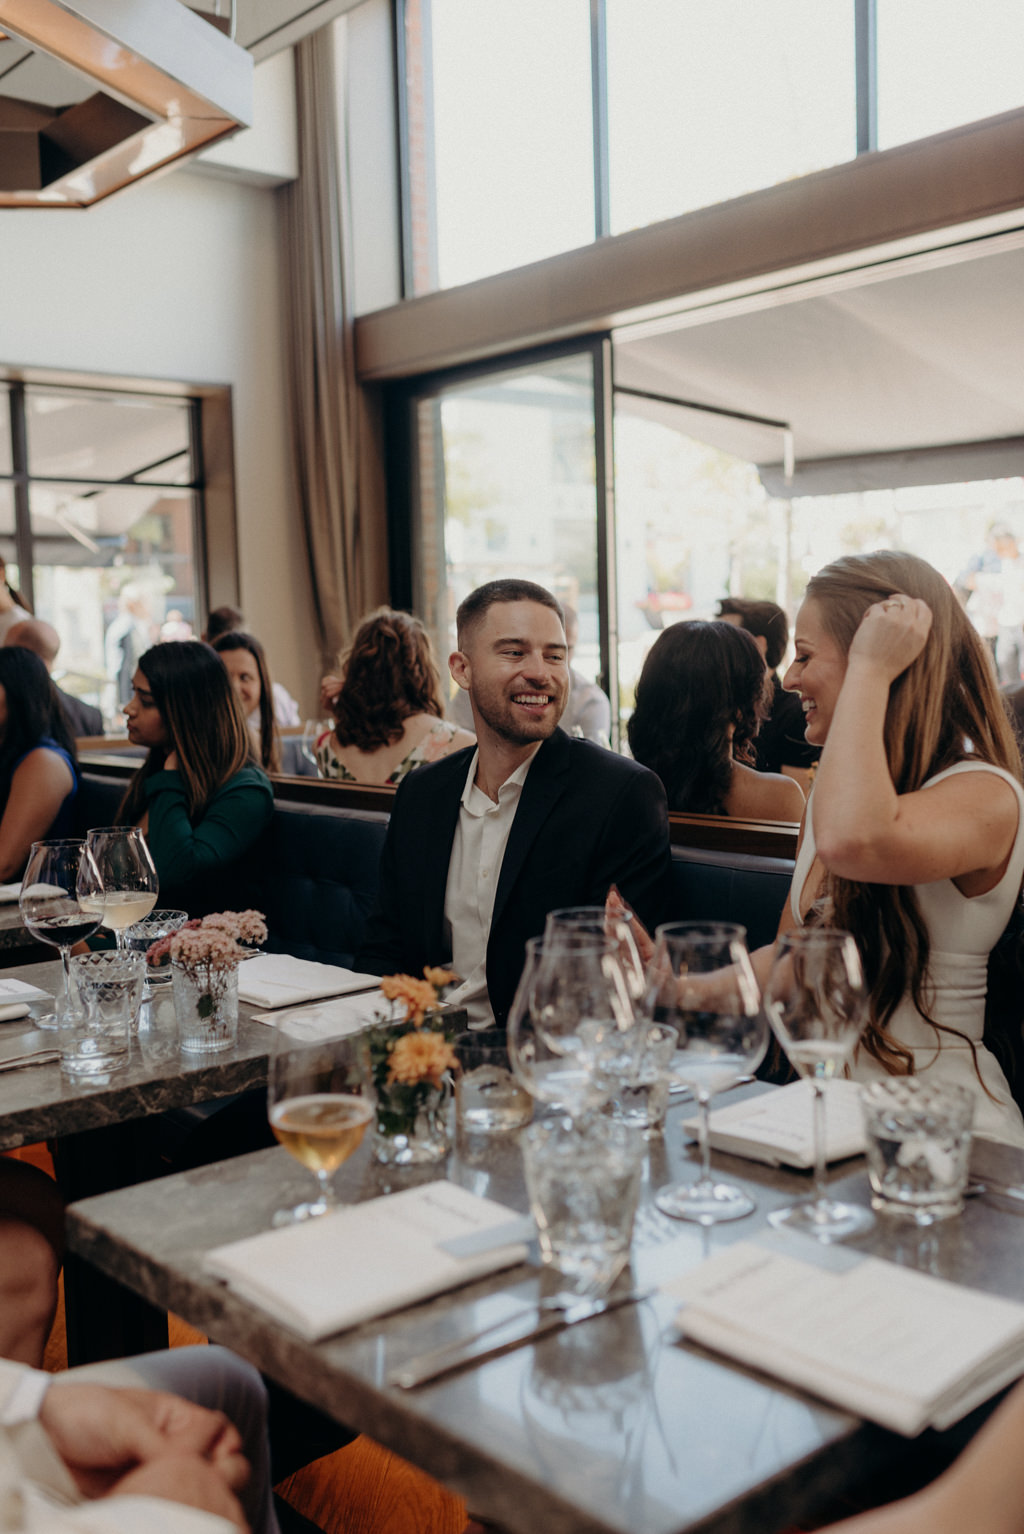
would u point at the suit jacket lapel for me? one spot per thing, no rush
(545, 784)
(437, 834)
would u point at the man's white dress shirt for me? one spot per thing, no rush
(478, 851)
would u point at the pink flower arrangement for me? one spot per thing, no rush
(219, 941)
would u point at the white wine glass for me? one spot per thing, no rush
(702, 984)
(817, 1004)
(318, 1103)
(61, 894)
(568, 1020)
(597, 920)
(130, 883)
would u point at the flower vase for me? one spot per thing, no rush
(206, 1005)
(413, 1123)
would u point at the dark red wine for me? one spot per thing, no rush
(62, 931)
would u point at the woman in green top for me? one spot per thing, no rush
(199, 796)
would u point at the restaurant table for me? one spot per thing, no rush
(610, 1427)
(92, 1125)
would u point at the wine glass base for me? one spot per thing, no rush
(705, 1202)
(299, 1213)
(827, 1220)
(47, 1020)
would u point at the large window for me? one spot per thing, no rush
(100, 511)
(531, 127)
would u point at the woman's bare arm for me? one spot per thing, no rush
(39, 787)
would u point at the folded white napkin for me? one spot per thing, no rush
(9, 893)
(20, 990)
(896, 1346)
(777, 1127)
(366, 1260)
(278, 980)
(335, 1017)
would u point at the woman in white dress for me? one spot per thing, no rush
(913, 838)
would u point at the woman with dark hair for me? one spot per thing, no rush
(38, 770)
(199, 795)
(388, 707)
(246, 662)
(700, 701)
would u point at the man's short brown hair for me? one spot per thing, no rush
(472, 609)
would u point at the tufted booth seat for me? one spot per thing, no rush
(711, 885)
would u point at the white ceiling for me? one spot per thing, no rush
(874, 362)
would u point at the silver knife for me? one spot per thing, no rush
(519, 1328)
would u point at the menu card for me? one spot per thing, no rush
(899, 1347)
(278, 980)
(333, 1018)
(32, 1047)
(777, 1127)
(327, 1274)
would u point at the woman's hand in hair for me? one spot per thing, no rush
(330, 687)
(892, 635)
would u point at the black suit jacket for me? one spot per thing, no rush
(82, 718)
(586, 819)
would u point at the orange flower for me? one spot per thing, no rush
(439, 978)
(420, 1056)
(418, 996)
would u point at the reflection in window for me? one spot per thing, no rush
(500, 143)
(714, 98)
(507, 488)
(942, 63)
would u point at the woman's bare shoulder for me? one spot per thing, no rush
(763, 795)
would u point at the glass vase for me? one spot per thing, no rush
(206, 1005)
(414, 1124)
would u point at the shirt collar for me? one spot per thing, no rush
(515, 779)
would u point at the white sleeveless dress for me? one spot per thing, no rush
(962, 932)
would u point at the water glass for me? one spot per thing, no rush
(96, 1019)
(584, 1183)
(143, 934)
(918, 1146)
(642, 1098)
(488, 1098)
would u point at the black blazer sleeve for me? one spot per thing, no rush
(633, 850)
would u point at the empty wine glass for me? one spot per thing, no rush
(702, 984)
(817, 1004)
(130, 884)
(567, 1022)
(60, 902)
(317, 1103)
(597, 920)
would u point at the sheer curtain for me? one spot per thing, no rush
(336, 431)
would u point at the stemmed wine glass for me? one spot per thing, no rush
(817, 1004)
(61, 901)
(702, 984)
(130, 884)
(567, 1021)
(317, 1103)
(596, 920)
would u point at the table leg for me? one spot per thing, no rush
(104, 1319)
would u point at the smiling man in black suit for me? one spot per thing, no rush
(483, 844)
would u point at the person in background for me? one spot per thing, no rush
(700, 701)
(230, 620)
(127, 636)
(199, 795)
(246, 663)
(13, 606)
(387, 705)
(38, 769)
(43, 640)
(781, 745)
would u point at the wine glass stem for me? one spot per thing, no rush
(121, 940)
(820, 1191)
(325, 1179)
(65, 955)
(703, 1136)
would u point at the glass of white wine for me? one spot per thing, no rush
(318, 1103)
(130, 883)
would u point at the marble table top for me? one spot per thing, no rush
(612, 1427)
(38, 1102)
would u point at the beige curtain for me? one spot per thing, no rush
(335, 427)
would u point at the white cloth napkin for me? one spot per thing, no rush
(328, 1274)
(20, 990)
(278, 980)
(335, 1017)
(778, 1127)
(899, 1347)
(9, 893)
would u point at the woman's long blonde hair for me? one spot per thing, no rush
(945, 708)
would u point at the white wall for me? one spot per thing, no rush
(178, 278)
